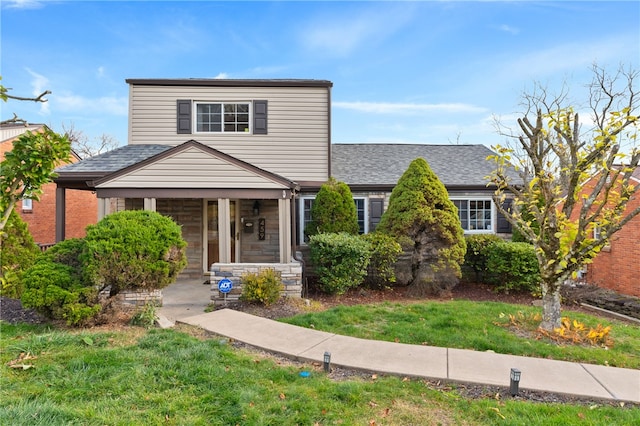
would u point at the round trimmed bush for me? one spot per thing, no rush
(134, 250)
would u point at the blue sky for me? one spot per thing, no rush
(404, 72)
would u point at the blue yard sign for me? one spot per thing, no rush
(225, 285)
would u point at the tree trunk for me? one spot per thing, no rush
(551, 315)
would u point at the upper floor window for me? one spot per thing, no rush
(475, 215)
(222, 117)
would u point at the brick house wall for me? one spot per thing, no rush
(617, 267)
(81, 208)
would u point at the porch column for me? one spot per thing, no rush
(284, 222)
(61, 219)
(150, 204)
(224, 230)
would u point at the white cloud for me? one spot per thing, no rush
(408, 108)
(509, 29)
(104, 105)
(222, 75)
(39, 85)
(342, 34)
(22, 4)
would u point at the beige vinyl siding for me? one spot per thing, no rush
(297, 143)
(191, 168)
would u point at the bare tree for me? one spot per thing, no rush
(84, 147)
(573, 182)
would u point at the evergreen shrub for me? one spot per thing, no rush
(17, 253)
(134, 250)
(340, 261)
(384, 252)
(333, 210)
(475, 259)
(513, 266)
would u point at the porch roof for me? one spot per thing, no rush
(188, 166)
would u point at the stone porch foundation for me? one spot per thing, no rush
(291, 274)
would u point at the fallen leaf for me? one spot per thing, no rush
(372, 404)
(282, 396)
(372, 423)
(497, 410)
(374, 376)
(385, 413)
(406, 379)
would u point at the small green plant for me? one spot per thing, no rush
(340, 261)
(145, 316)
(263, 287)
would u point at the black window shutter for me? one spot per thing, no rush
(376, 208)
(259, 117)
(504, 226)
(183, 117)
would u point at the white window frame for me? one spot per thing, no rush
(493, 211)
(366, 214)
(301, 222)
(222, 104)
(27, 204)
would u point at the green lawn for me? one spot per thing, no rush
(181, 377)
(473, 325)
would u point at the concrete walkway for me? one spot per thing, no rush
(457, 365)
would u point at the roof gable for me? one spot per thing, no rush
(193, 165)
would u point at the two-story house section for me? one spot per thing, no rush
(225, 159)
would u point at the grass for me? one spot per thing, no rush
(473, 325)
(182, 377)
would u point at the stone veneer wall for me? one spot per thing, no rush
(291, 274)
(137, 298)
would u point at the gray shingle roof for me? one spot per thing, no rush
(115, 160)
(383, 164)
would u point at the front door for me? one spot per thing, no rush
(212, 230)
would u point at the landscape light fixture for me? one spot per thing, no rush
(256, 208)
(327, 362)
(515, 381)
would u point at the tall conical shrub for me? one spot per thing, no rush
(425, 222)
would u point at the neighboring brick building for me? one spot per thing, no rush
(617, 266)
(40, 216)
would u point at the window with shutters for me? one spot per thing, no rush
(222, 117)
(305, 215)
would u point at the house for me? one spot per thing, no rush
(617, 266)
(237, 164)
(40, 216)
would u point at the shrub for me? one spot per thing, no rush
(340, 261)
(513, 266)
(475, 259)
(333, 210)
(262, 287)
(423, 219)
(384, 252)
(54, 290)
(133, 250)
(17, 253)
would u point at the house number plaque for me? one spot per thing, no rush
(261, 229)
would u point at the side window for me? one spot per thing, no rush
(27, 204)
(361, 211)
